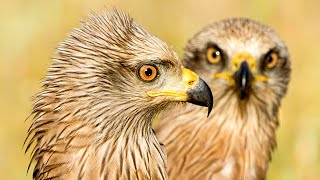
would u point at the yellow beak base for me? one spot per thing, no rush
(193, 90)
(236, 64)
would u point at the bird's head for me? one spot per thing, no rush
(112, 65)
(242, 60)
(109, 80)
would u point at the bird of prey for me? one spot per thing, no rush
(247, 67)
(92, 119)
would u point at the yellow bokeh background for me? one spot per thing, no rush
(30, 30)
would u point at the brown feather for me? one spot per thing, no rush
(92, 119)
(237, 140)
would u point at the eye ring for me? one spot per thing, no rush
(148, 72)
(271, 60)
(213, 55)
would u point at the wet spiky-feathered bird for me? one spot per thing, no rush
(246, 64)
(92, 119)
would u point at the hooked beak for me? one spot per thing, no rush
(194, 90)
(201, 95)
(243, 78)
(243, 74)
(243, 65)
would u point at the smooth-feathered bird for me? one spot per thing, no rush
(247, 66)
(92, 119)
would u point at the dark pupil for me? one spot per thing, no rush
(148, 72)
(269, 59)
(215, 54)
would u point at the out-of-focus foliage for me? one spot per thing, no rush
(30, 30)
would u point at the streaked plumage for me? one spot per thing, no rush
(92, 119)
(246, 64)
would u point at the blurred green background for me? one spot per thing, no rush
(30, 30)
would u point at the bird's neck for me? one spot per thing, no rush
(131, 146)
(247, 131)
(137, 125)
(230, 143)
(135, 149)
(108, 144)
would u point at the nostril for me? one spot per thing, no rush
(191, 82)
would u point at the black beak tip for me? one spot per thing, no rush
(210, 106)
(209, 100)
(243, 78)
(201, 95)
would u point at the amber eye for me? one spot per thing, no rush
(148, 72)
(213, 55)
(272, 60)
